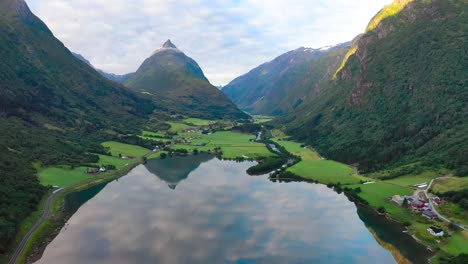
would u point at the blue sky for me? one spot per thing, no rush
(227, 38)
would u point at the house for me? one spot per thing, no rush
(397, 199)
(130, 157)
(418, 205)
(436, 231)
(429, 214)
(438, 200)
(102, 169)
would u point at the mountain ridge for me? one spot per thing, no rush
(281, 85)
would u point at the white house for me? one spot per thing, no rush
(436, 231)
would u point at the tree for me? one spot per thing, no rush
(195, 152)
(405, 203)
(381, 210)
(163, 155)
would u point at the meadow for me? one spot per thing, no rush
(198, 121)
(232, 144)
(117, 148)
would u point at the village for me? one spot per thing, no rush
(421, 202)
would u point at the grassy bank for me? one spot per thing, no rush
(381, 186)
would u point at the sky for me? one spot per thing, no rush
(226, 37)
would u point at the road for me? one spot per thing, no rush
(44, 217)
(434, 208)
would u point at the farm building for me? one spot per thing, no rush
(435, 231)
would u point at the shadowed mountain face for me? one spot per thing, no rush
(280, 86)
(176, 169)
(177, 85)
(401, 94)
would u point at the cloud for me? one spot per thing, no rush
(227, 38)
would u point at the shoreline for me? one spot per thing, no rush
(50, 228)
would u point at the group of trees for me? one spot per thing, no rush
(458, 197)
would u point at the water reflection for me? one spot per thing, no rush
(176, 169)
(219, 215)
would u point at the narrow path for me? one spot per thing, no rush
(44, 217)
(434, 209)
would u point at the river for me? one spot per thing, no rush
(203, 210)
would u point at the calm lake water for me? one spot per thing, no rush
(203, 210)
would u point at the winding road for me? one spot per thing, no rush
(44, 217)
(434, 209)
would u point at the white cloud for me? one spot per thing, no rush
(227, 39)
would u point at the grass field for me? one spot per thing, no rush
(177, 127)
(110, 160)
(449, 184)
(295, 148)
(379, 193)
(232, 144)
(457, 244)
(259, 119)
(326, 171)
(156, 155)
(313, 167)
(198, 121)
(117, 148)
(63, 176)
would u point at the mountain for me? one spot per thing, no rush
(113, 77)
(400, 95)
(281, 85)
(54, 109)
(177, 84)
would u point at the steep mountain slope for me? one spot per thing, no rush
(53, 109)
(280, 86)
(401, 94)
(178, 85)
(113, 77)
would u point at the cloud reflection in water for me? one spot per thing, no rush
(218, 214)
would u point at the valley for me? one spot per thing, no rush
(192, 137)
(355, 152)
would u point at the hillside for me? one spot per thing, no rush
(178, 86)
(54, 109)
(111, 76)
(280, 86)
(401, 94)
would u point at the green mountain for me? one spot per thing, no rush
(401, 94)
(280, 86)
(54, 109)
(177, 84)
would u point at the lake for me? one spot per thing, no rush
(203, 210)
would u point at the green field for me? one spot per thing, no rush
(63, 176)
(110, 160)
(449, 184)
(117, 148)
(457, 244)
(198, 121)
(156, 155)
(326, 171)
(379, 194)
(177, 127)
(232, 144)
(314, 168)
(411, 180)
(259, 119)
(296, 149)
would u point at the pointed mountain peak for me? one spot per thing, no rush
(169, 44)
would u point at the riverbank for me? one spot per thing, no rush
(47, 231)
(377, 194)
